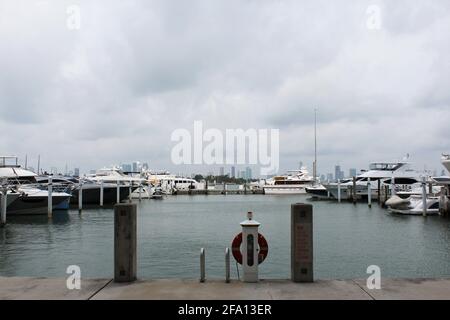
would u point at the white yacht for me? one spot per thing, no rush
(114, 175)
(402, 173)
(171, 183)
(413, 205)
(293, 182)
(33, 197)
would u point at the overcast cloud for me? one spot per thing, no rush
(114, 90)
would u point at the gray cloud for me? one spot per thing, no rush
(114, 90)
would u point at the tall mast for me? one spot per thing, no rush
(315, 145)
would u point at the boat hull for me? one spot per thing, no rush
(34, 205)
(91, 195)
(284, 190)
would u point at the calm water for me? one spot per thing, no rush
(347, 239)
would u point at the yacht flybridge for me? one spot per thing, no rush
(293, 182)
(32, 198)
(402, 173)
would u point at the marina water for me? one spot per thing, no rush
(347, 239)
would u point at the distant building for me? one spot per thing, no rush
(329, 177)
(136, 166)
(233, 172)
(126, 167)
(338, 174)
(443, 173)
(92, 171)
(145, 166)
(352, 173)
(322, 178)
(76, 172)
(54, 170)
(248, 173)
(222, 171)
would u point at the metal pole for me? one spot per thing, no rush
(50, 199)
(424, 197)
(369, 193)
(339, 190)
(3, 203)
(101, 193)
(80, 197)
(354, 190)
(227, 265)
(315, 145)
(202, 265)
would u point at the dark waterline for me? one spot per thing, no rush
(347, 239)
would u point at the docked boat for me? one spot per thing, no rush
(404, 179)
(293, 182)
(318, 192)
(414, 205)
(171, 183)
(34, 196)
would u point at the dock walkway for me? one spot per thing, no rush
(177, 289)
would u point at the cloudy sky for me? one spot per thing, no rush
(113, 88)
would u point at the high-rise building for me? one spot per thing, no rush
(76, 172)
(248, 173)
(222, 171)
(136, 166)
(352, 172)
(329, 177)
(338, 174)
(126, 167)
(145, 166)
(233, 172)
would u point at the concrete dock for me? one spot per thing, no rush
(177, 289)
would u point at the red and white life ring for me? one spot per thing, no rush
(236, 248)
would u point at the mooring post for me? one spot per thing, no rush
(379, 191)
(80, 196)
(101, 192)
(424, 197)
(140, 190)
(50, 197)
(130, 189)
(227, 265)
(118, 191)
(3, 205)
(392, 187)
(369, 193)
(206, 186)
(202, 265)
(339, 190)
(125, 229)
(302, 242)
(430, 188)
(354, 190)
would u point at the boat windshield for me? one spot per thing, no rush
(385, 166)
(8, 161)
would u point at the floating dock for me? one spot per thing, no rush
(178, 289)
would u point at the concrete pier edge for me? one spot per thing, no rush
(35, 288)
